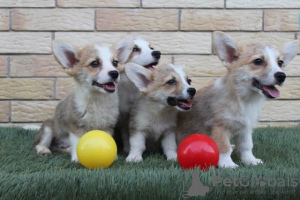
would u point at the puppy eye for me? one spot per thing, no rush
(115, 63)
(135, 49)
(280, 62)
(151, 48)
(172, 82)
(258, 61)
(189, 81)
(95, 63)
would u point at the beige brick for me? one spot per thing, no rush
(277, 39)
(250, 20)
(52, 19)
(4, 114)
(262, 4)
(97, 3)
(293, 69)
(33, 65)
(64, 87)
(276, 124)
(281, 111)
(23, 88)
(12, 42)
(201, 65)
(137, 19)
(290, 89)
(27, 3)
(166, 42)
(32, 111)
(281, 20)
(4, 20)
(3, 66)
(200, 83)
(184, 3)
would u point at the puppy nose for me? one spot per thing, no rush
(114, 74)
(191, 91)
(156, 54)
(280, 77)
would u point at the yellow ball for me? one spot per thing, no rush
(96, 149)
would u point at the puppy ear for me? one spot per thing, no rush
(289, 51)
(226, 48)
(139, 75)
(65, 54)
(124, 49)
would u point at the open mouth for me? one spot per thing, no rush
(181, 103)
(151, 66)
(108, 87)
(269, 91)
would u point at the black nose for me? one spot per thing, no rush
(191, 91)
(114, 74)
(156, 54)
(280, 77)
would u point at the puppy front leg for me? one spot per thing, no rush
(221, 136)
(169, 146)
(244, 145)
(73, 143)
(137, 147)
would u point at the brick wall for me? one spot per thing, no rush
(32, 82)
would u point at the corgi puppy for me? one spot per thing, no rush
(165, 91)
(230, 107)
(92, 105)
(138, 51)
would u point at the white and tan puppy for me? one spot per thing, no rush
(165, 91)
(230, 107)
(138, 51)
(92, 105)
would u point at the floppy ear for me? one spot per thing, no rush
(124, 49)
(226, 48)
(140, 76)
(289, 51)
(65, 54)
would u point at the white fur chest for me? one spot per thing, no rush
(245, 114)
(154, 118)
(99, 111)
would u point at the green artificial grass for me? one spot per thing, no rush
(24, 175)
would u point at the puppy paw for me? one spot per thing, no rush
(253, 161)
(43, 151)
(134, 158)
(172, 156)
(230, 165)
(74, 158)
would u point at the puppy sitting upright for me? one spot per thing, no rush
(92, 105)
(230, 107)
(138, 51)
(164, 91)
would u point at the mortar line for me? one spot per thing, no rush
(141, 3)
(9, 111)
(95, 20)
(54, 88)
(179, 19)
(8, 66)
(263, 21)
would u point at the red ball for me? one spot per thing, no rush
(198, 150)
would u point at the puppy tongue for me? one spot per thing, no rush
(272, 91)
(109, 86)
(184, 103)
